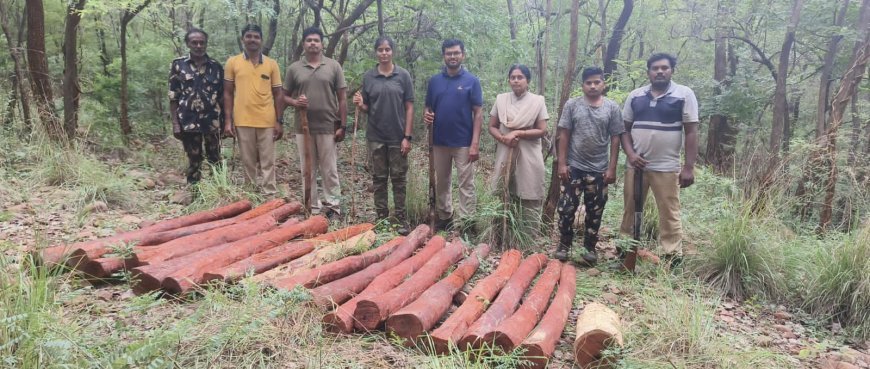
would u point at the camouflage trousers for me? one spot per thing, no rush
(591, 186)
(193, 146)
(388, 164)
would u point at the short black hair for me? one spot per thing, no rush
(659, 56)
(523, 69)
(312, 31)
(589, 72)
(383, 39)
(252, 28)
(451, 42)
(193, 30)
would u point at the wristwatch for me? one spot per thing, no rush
(409, 138)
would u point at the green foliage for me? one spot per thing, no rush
(838, 285)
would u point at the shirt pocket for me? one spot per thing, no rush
(262, 83)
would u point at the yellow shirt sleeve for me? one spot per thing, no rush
(230, 70)
(276, 75)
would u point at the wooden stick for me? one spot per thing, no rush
(507, 196)
(631, 256)
(353, 173)
(307, 181)
(432, 213)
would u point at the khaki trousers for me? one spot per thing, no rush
(257, 148)
(324, 159)
(444, 158)
(666, 191)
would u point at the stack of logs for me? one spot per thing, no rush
(397, 286)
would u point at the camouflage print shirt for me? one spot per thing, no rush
(199, 93)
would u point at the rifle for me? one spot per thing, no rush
(631, 256)
(306, 168)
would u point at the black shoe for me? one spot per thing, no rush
(444, 225)
(589, 258)
(673, 261)
(562, 251)
(402, 227)
(333, 216)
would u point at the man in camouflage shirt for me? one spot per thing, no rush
(196, 103)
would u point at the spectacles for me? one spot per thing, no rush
(453, 53)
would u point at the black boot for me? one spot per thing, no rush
(590, 258)
(562, 251)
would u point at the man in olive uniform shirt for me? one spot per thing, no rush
(316, 83)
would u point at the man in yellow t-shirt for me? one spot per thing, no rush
(252, 102)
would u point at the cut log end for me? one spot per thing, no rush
(499, 341)
(535, 357)
(338, 323)
(367, 315)
(588, 348)
(177, 286)
(440, 345)
(407, 326)
(145, 283)
(470, 342)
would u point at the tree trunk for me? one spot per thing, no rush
(71, 90)
(512, 22)
(344, 25)
(40, 79)
(827, 70)
(855, 135)
(553, 192)
(20, 78)
(104, 52)
(848, 89)
(794, 107)
(126, 127)
(722, 134)
(273, 27)
(616, 36)
(780, 103)
(543, 51)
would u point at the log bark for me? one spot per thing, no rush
(339, 291)
(189, 270)
(104, 267)
(512, 331)
(56, 255)
(597, 329)
(341, 320)
(421, 315)
(541, 343)
(325, 250)
(372, 311)
(269, 259)
(506, 302)
(452, 330)
(231, 233)
(332, 271)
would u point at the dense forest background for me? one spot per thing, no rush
(768, 74)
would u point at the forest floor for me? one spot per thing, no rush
(670, 318)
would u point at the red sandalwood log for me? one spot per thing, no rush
(193, 243)
(452, 330)
(372, 311)
(341, 320)
(271, 258)
(506, 302)
(150, 277)
(419, 316)
(329, 272)
(339, 291)
(105, 267)
(55, 255)
(512, 331)
(541, 343)
(598, 329)
(262, 209)
(183, 279)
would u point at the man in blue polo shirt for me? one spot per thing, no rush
(656, 117)
(453, 108)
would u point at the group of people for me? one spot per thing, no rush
(246, 98)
